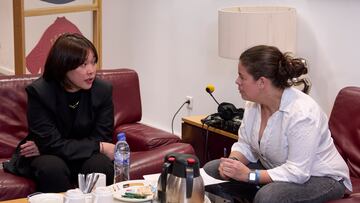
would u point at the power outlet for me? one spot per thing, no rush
(190, 105)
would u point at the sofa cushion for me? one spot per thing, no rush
(353, 198)
(356, 184)
(12, 186)
(142, 137)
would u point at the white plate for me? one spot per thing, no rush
(122, 187)
(46, 198)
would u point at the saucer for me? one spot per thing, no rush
(46, 198)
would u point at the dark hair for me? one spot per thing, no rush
(68, 52)
(270, 62)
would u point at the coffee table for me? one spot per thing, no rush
(25, 200)
(21, 200)
(152, 177)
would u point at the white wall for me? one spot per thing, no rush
(172, 44)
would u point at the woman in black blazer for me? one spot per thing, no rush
(70, 118)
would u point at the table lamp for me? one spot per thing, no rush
(243, 27)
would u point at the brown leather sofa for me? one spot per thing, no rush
(344, 125)
(148, 144)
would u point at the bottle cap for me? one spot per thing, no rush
(121, 136)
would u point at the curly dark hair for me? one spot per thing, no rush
(270, 62)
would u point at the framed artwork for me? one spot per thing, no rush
(38, 23)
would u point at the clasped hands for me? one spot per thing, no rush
(234, 169)
(29, 149)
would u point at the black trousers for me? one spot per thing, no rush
(53, 174)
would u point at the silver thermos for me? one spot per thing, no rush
(180, 180)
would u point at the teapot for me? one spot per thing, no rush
(180, 180)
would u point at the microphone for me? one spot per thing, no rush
(226, 111)
(210, 89)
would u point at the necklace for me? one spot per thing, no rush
(74, 106)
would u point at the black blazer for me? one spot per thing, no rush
(51, 127)
(54, 132)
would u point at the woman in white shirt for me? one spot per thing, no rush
(285, 152)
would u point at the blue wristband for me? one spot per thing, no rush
(254, 177)
(257, 177)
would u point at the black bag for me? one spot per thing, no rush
(18, 165)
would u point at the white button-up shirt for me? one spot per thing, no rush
(296, 142)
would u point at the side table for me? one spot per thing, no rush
(208, 142)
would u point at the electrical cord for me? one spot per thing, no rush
(172, 121)
(206, 144)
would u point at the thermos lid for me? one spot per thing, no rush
(184, 162)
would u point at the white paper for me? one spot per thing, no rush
(208, 180)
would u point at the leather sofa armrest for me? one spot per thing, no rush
(142, 137)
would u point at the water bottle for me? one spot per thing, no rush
(121, 159)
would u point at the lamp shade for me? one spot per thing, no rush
(243, 27)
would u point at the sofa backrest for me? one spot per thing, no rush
(344, 124)
(13, 104)
(126, 94)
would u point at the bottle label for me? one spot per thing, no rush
(122, 158)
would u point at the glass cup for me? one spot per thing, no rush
(101, 182)
(74, 196)
(102, 195)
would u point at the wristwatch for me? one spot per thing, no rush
(254, 177)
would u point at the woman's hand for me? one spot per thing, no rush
(107, 149)
(234, 169)
(29, 149)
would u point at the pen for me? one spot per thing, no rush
(225, 152)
